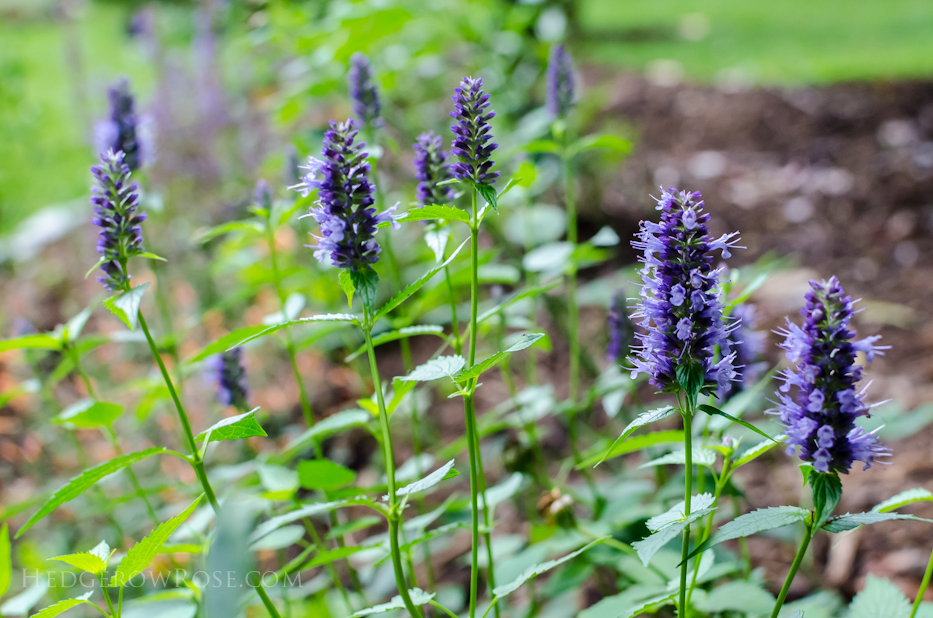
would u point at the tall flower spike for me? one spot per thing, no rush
(560, 82)
(366, 104)
(344, 209)
(621, 329)
(115, 202)
(230, 376)
(472, 132)
(679, 311)
(748, 344)
(120, 130)
(820, 420)
(432, 166)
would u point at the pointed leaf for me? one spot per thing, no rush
(366, 285)
(671, 436)
(436, 238)
(514, 298)
(879, 599)
(308, 510)
(324, 474)
(716, 411)
(438, 211)
(63, 606)
(700, 456)
(600, 141)
(649, 546)
(346, 284)
(330, 425)
(233, 428)
(641, 420)
(503, 491)
(228, 341)
(94, 561)
(86, 479)
(140, 555)
(851, 521)
(435, 369)
(538, 569)
(126, 305)
(489, 194)
(326, 317)
(327, 557)
(427, 482)
(756, 451)
(39, 341)
(756, 521)
(395, 335)
(827, 491)
(88, 414)
(417, 595)
(477, 370)
(904, 498)
(676, 513)
(411, 288)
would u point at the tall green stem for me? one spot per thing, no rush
(270, 607)
(923, 587)
(573, 319)
(808, 533)
(688, 494)
(720, 485)
(389, 454)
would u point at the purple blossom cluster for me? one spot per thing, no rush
(432, 169)
(230, 376)
(560, 82)
(120, 131)
(363, 92)
(345, 208)
(680, 312)
(472, 133)
(116, 201)
(820, 420)
(748, 345)
(621, 329)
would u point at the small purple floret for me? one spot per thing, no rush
(472, 132)
(345, 208)
(115, 202)
(230, 376)
(432, 169)
(820, 420)
(363, 92)
(680, 312)
(560, 82)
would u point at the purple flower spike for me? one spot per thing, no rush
(821, 419)
(344, 209)
(748, 344)
(472, 132)
(680, 312)
(432, 166)
(366, 104)
(230, 376)
(119, 132)
(560, 82)
(115, 203)
(621, 329)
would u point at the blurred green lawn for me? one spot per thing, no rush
(44, 129)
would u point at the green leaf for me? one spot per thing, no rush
(700, 456)
(86, 479)
(274, 523)
(514, 298)
(427, 482)
(650, 606)
(280, 539)
(756, 451)
(346, 284)
(476, 370)
(411, 288)
(851, 521)
(594, 142)
(672, 436)
(327, 557)
(39, 341)
(641, 420)
(827, 490)
(63, 606)
(417, 595)
(879, 599)
(330, 425)
(436, 211)
(537, 569)
(326, 317)
(140, 555)
(94, 561)
(503, 491)
(151, 256)
(228, 341)
(6, 561)
(756, 521)
(251, 226)
(233, 428)
(354, 525)
(649, 546)
(716, 411)
(74, 326)
(918, 494)
(676, 512)
(549, 258)
(436, 238)
(691, 379)
(324, 474)
(88, 414)
(740, 596)
(400, 389)
(126, 305)
(435, 369)
(542, 146)
(366, 284)
(489, 194)
(395, 335)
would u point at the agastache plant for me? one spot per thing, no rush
(748, 345)
(472, 133)
(230, 377)
(560, 82)
(116, 201)
(120, 132)
(365, 97)
(431, 163)
(621, 329)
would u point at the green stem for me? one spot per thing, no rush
(270, 607)
(120, 603)
(743, 541)
(389, 454)
(720, 485)
(455, 326)
(923, 587)
(688, 494)
(808, 533)
(103, 589)
(573, 318)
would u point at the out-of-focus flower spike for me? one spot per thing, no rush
(367, 108)
(432, 169)
(560, 82)
(230, 376)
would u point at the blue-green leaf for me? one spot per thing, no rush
(436, 211)
(641, 420)
(476, 370)
(538, 569)
(435, 369)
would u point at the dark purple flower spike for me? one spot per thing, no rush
(363, 92)
(560, 82)
(230, 376)
(472, 133)
(820, 420)
(621, 329)
(119, 131)
(432, 169)
(116, 201)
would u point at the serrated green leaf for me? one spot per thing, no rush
(324, 474)
(413, 287)
(63, 606)
(700, 456)
(366, 284)
(39, 341)
(140, 555)
(435, 369)
(676, 512)
(86, 479)
(879, 599)
(477, 370)
(851, 521)
(645, 418)
(417, 595)
(827, 491)
(88, 414)
(716, 411)
(228, 341)
(6, 561)
(325, 317)
(427, 482)
(756, 451)
(671, 436)
(346, 284)
(436, 211)
(400, 390)
(126, 305)
(94, 561)
(489, 194)
(330, 425)
(917, 494)
(234, 428)
(436, 237)
(650, 545)
(537, 569)
(756, 521)
(395, 335)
